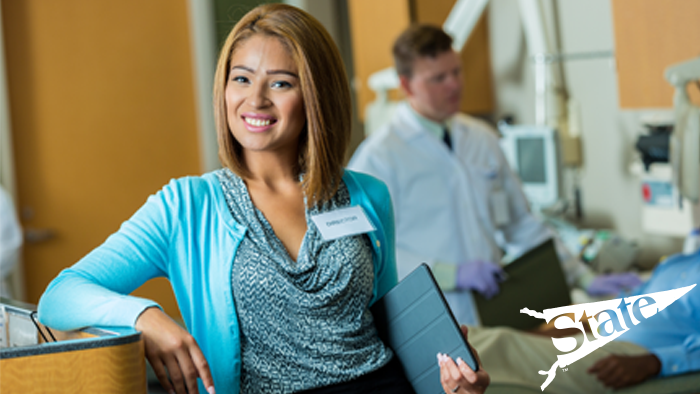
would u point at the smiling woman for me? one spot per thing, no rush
(265, 108)
(320, 78)
(270, 303)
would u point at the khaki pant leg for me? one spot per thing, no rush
(515, 358)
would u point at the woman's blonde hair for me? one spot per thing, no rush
(325, 91)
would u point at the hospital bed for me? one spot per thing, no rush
(681, 384)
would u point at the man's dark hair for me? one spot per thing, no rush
(418, 41)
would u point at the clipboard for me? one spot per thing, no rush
(415, 321)
(535, 281)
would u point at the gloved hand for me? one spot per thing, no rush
(481, 276)
(613, 283)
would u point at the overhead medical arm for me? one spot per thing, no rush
(679, 75)
(685, 140)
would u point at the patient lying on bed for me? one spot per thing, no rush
(665, 344)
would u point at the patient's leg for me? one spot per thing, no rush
(515, 357)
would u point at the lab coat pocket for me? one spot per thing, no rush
(497, 198)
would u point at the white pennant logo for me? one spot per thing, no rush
(608, 320)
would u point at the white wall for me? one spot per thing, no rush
(323, 10)
(333, 15)
(610, 194)
(7, 175)
(7, 165)
(204, 57)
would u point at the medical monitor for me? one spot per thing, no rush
(533, 153)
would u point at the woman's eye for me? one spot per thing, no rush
(239, 79)
(281, 84)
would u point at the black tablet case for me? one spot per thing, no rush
(414, 320)
(535, 281)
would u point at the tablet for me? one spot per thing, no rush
(414, 320)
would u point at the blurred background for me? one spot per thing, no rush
(102, 103)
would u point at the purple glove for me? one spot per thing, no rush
(481, 276)
(613, 283)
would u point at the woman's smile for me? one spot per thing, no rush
(258, 123)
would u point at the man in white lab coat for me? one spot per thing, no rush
(10, 240)
(453, 192)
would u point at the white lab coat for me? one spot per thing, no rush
(10, 240)
(452, 206)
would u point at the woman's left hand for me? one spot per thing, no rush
(458, 377)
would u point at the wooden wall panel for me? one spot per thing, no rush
(374, 25)
(103, 115)
(651, 35)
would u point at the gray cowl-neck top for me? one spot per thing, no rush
(304, 323)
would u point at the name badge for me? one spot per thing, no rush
(499, 208)
(342, 223)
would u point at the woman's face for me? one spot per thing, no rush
(264, 103)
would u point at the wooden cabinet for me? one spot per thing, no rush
(651, 35)
(87, 361)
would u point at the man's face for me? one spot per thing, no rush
(435, 88)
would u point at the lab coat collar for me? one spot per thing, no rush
(418, 125)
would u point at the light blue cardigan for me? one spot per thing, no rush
(186, 233)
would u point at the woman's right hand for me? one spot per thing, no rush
(458, 377)
(173, 353)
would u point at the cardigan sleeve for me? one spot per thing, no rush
(94, 291)
(387, 275)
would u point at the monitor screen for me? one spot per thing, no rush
(531, 159)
